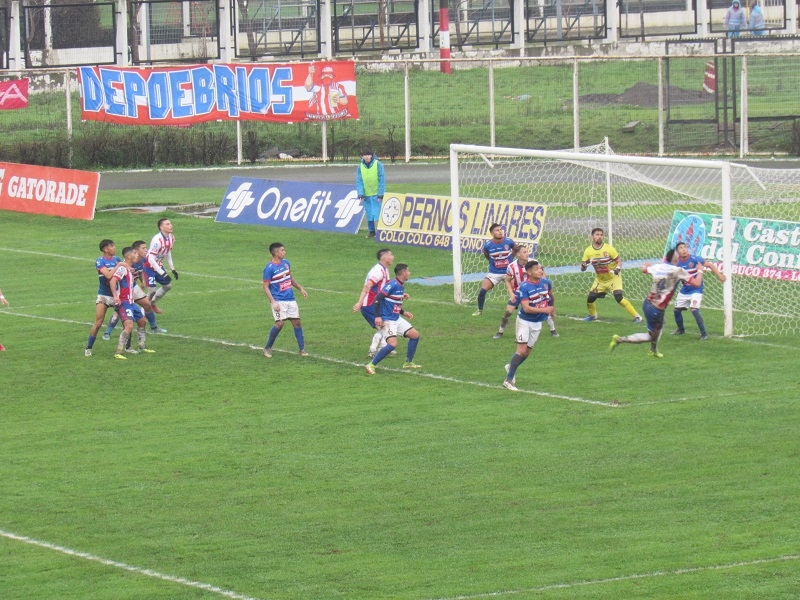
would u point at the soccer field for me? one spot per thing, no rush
(208, 471)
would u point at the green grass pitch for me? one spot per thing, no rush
(208, 471)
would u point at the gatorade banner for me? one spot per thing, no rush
(48, 190)
(287, 93)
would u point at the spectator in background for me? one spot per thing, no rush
(735, 20)
(371, 186)
(757, 24)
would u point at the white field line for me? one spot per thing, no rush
(120, 565)
(382, 368)
(621, 578)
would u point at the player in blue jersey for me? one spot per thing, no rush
(690, 295)
(278, 284)
(390, 321)
(534, 296)
(105, 266)
(499, 250)
(139, 296)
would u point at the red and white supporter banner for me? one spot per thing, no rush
(286, 93)
(48, 190)
(13, 94)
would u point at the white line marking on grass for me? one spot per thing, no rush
(575, 584)
(119, 565)
(17, 250)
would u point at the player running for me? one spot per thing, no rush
(498, 250)
(278, 284)
(390, 321)
(122, 284)
(690, 295)
(105, 265)
(377, 277)
(154, 271)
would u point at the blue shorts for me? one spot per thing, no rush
(130, 312)
(368, 312)
(153, 278)
(653, 315)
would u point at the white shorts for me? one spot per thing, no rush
(107, 300)
(138, 294)
(286, 310)
(496, 278)
(395, 328)
(690, 301)
(528, 332)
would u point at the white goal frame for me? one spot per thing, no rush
(488, 154)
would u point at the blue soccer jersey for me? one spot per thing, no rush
(392, 304)
(104, 289)
(538, 296)
(279, 277)
(499, 255)
(693, 264)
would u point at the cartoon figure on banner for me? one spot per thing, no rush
(690, 231)
(328, 97)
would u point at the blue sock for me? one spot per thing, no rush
(151, 318)
(382, 353)
(412, 350)
(90, 343)
(700, 323)
(481, 299)
(273, 333)
(111, 324)
(516, 361)
(298, 334)
(679, 318)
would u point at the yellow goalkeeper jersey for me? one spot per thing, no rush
(604, 260)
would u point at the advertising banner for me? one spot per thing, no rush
(413, 220)
(48, 190)
(286, 93)
(761, 247)
(294, 204)
(13, 94)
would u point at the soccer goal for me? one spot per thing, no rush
(746, 220)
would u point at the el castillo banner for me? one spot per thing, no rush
(414, 220)
(287, 93)
(761, 247)
(48, 190)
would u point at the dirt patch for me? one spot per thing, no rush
(646, 96)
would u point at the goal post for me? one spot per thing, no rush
(643, 202)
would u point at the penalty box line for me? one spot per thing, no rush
(207, 587)
(623, 578)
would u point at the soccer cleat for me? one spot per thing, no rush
(156, 310)
(678, 332)
(131, 351)
(120, 357)
(371, 234)
(411, 365)
(157, 330)
(3, 349)
(393, 353)
(513, 379)
(369, 368)
(268, 352)
(497, 335)
(554, 333)
(509, 385)
(590, 318)
(106, 336)
(703, 337)
(614, 342)
(87, 352)
(148, 351)
(652, 354)
(303, 352)
(637, 319)
(478, 313)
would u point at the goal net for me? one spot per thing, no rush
(745, 220)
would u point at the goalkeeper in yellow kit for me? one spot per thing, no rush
(607, 278)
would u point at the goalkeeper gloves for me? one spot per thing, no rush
(175, 274)
(584, 264)
(617, 271)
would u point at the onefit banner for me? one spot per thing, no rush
(761, 247)
(291, 92)
(13, 94)
(294, 204)
(48, 190)
(413, 220)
